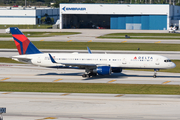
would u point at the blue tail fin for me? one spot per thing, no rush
(23, 44)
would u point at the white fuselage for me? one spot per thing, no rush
(138, 61)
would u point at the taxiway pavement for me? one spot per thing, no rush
(90, 35)
(29, 73)
(94, 39)
(77, 106)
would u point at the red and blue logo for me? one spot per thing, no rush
(23, 44)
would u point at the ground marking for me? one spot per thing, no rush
(57, 80)
(65, 94)
(4, 79)
(166, 82)
(118, 95)
(42, 40)
(7, 93)
(123, 41)
(69, 40)
(111, 81)
(158, 42)
(50, 118)
(90, 41)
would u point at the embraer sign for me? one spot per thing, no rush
(74, 8)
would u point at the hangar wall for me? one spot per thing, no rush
(138, 22)
(17, 16)
(26, 16)
(124, 16)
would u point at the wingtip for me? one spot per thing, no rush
(89, 51)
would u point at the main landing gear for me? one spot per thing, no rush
(88, 73)
(155, 73)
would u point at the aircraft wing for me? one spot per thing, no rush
(75, 64)
(78, 64)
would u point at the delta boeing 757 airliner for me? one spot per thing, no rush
(94, 64)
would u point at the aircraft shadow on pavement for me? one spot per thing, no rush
(113, 75)
(69, 74)
(121, 75)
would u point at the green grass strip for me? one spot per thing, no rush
(160, 38)
(144, 34)
(90, 88)
(96, 46)
(41, 34)
(8, 60)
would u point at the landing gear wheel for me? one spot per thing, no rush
(85, 75)
(154, 76)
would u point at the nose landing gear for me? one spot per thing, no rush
(155, 73)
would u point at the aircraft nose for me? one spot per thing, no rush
(173, 65)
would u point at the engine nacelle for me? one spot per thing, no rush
(116, 69)
(103, 70)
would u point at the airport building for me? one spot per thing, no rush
(26, 16)
(119, 16)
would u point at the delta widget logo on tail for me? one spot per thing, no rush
(23, 44)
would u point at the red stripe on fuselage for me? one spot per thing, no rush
(25, 41)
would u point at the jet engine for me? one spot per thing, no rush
(103, 70)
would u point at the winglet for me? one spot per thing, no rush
(52, 59)
(89, 51)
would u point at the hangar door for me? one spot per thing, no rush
(86, 21)
(138, 22)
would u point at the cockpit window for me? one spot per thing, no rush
(167, 60)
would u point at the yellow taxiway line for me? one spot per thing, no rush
(111, 81)
(41, 40)
(90, 41)
(65, 94)
(69, 41)
(118, 95)
(50, 118)
(158, 42)
(7, 93)
(166, 82)
(123, 41)
(57, 80)
(4, 79)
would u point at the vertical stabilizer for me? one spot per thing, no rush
(23, 44)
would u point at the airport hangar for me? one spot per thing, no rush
(119, 16)
(26, 16)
